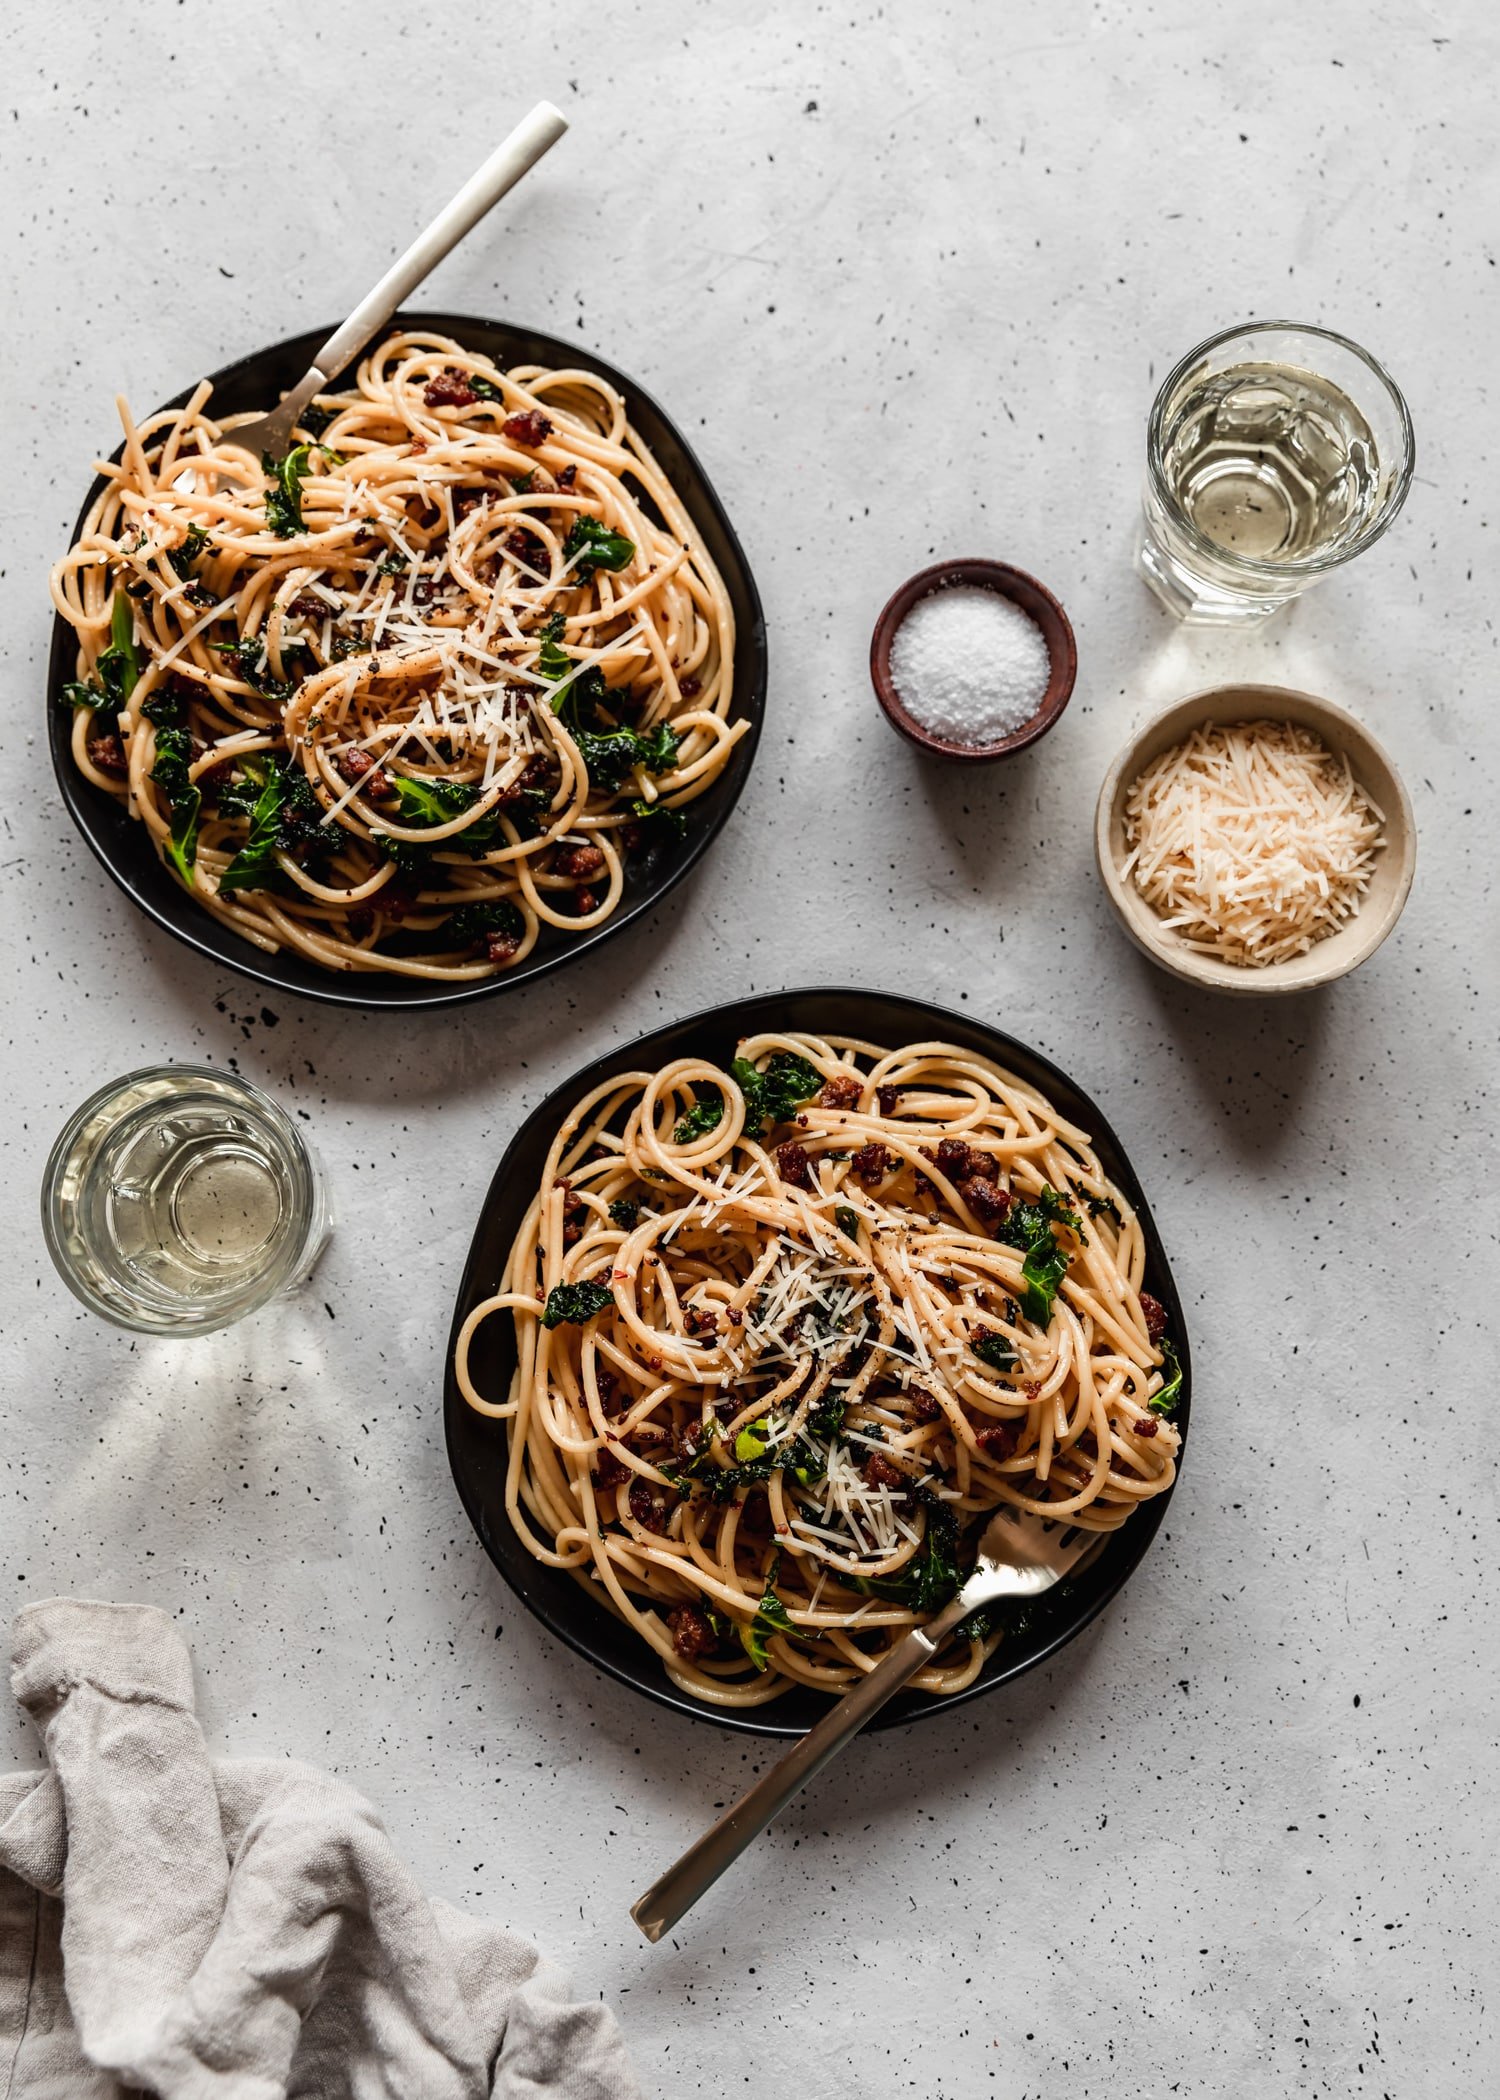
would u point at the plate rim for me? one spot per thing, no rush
(1128, 1545)
(86, 804)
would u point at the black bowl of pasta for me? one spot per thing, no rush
(464, 685)
(766, 1311)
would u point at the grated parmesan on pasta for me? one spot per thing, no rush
(1251, 841)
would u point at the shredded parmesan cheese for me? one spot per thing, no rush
(1251, 840)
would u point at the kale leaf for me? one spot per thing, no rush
(184, 559)
(255, 865)
(427, 802)
(77, 693)
(827, 1418)
(472, 923)
(118, 668)
(932, 1576)
(553, 661)
(174, 752)
(1165, 1402)
(1061, 1212)
(662, 818)
(610, 755)
(485, 389)
(771, 1617)
(575, 1302)
(284, 496)
(1028, 1227)
(993, 1349)
(847, 1221)
(776, 1094)
(706, 1113)
(625, 1214)
(596, 546)
(285, 817)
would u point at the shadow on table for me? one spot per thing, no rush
(1247, 1062)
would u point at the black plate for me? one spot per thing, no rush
(121, 843)
(476, 1444)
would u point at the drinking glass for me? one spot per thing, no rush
(1275, 452)
(178, 1199)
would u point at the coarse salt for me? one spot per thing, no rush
(970, 667)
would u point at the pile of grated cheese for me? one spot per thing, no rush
(1251, 840)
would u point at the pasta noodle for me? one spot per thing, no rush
(417, 692)
(787, 1334)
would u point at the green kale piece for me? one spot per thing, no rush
(576, 1302)
(255, 866)
(78, 693)
(425, 802)
(1028, 1227)
(284, 496)
(473, 923)
(174, 752)
(119, 665)
(625, 1214)
(706, 1113)
(1061, 1212)
(993, 1349)
(596, 546)
(671, 823)
(771, 1617)
(611, 754)
(553, 661)
(184, 559)
(774, 1095)
(285, 816)
(1165, 1402)
(932, 1576)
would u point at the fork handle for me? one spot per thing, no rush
(701, 1865)
(502, 171)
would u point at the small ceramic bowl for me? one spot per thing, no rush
(1022, 590)
(1372, 769)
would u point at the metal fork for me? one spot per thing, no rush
(506, 165)
(1019, 1557)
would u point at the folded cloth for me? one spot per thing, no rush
(245, 1931)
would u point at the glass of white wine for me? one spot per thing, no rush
(1275, 452)
(178, 1199)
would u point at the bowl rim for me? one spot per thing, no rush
(1373, 768)
(1023, 590)
(478, 1469)
(140, 874)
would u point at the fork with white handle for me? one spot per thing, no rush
(1020, 1557)
(502, 171)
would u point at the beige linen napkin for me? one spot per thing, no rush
(244, 1931)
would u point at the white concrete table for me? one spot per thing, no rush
(907, 277)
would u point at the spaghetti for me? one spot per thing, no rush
(786, 1334)
(418, 691)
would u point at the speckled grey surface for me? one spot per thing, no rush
(906, 275)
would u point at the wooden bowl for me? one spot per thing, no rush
(1033, 598)
(1372, 769)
